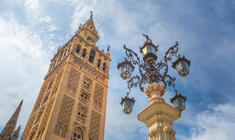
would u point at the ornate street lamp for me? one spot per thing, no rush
(125, 68)
(182, 66)
(149, 51)
(152, 70)
(179, 101)
(127, 104)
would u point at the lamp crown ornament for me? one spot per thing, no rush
(153, 73)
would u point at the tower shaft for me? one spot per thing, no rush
(72, 101)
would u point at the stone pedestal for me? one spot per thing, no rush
(158, 116)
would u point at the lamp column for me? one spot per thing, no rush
(158, 116)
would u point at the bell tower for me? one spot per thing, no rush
(71, 104)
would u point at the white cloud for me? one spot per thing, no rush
(217, 123)
(24, 62)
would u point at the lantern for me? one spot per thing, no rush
(181, 65)
(149, 51)
(125, 68)
(179, 101)
(127, 104)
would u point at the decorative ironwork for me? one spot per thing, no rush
(151, 72)
(150, 68)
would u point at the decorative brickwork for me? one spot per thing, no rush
(94, 126)
(98, 97)
(64, 116)
(81, 64)
(82, 113)
(57, 83)
(74, 77)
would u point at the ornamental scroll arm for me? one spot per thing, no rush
(131, 55)
(171, 52)
(170, 81)
(133, 82)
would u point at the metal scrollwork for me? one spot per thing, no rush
(151, 72)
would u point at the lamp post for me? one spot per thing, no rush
(153, 73)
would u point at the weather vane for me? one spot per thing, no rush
(91, 14)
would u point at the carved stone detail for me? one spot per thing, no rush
(94, 126)
(80, 63)
(64, 116)
(159, 118)
(155, 92)
(98, 97)
(72, 85)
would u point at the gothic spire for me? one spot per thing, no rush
(16, 134)
(10, 126)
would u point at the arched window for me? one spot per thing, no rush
(77, 134)
(104, 66)
(84, 97)
(84, 52)
(98, 63)
(78, 48)
(92, 56)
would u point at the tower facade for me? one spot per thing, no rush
(71, 104)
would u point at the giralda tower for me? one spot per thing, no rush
(71, 104)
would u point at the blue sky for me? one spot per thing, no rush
(32, 30)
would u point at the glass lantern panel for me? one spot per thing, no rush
(123, 68)
(127, 106)
(176, 103)
(152, 49)
(145, 50)
(186, 66)
(182, 102)
(129, 68)
(149, 48)
(178, 67)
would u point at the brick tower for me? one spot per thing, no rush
(71, 104)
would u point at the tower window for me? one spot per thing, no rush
(104, 66)
(84, 52)
(92, 56)
(98, 63)
(89, 38)
(77, 134)
(84, 97)
(78, 48)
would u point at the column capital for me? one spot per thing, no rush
(155, 91)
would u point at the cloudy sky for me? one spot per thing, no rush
(32, 30)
